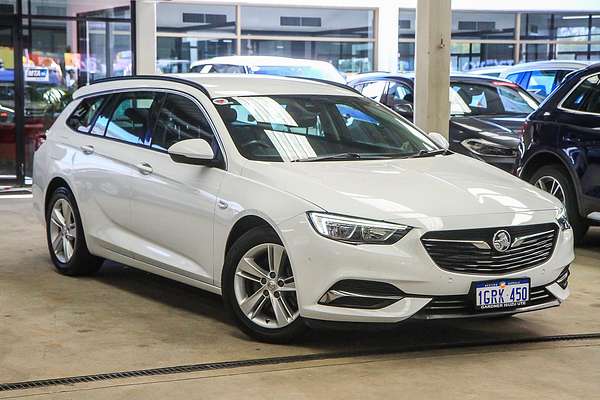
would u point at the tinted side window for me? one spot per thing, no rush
(586, 97)
(83, 116)
(180, 119)
(541, 82)
(400, 93)
(514, 77)
(374, 90)
(130, 119)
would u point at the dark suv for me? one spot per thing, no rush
(560, 148)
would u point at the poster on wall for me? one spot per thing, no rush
(37, 74)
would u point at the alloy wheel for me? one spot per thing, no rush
(264, 286)
(551, 185)
(63, 230)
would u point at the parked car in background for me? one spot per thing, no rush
(540, 78)
(297, 201)
(494, 71)
(560, 149)
(262, 65)
(486, 114)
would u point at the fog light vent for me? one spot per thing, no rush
(353, 293)
(563, 279)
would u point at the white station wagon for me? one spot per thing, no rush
(298, 201)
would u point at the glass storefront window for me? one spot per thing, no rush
(318, 22)
(345, 56)
(406, 56)
(72, 8)
(195, 18)
(482, 25)
(466, 56)
(407, 22)
(8, 6)
(563, 26)
(572, 51)
(175, 54)
(536, 52)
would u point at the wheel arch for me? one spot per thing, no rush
(543, 158)
(54, 184)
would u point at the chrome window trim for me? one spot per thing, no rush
(581, 80)
(154, 89)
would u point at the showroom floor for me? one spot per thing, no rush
(123, 319)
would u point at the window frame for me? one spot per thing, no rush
(565, 97)
(117, 92)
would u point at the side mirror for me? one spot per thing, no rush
(439, 139)
(403, 108)
(192, 151)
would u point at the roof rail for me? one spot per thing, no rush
(337, 84)
(175, 79)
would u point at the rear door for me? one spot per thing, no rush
(579, 117)
(106, 164)
(173, 204)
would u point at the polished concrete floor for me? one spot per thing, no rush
(124, 319)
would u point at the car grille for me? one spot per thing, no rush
(472, 251)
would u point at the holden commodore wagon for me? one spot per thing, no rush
(298, 201)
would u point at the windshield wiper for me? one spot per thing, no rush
(429, 153)
(330, 157)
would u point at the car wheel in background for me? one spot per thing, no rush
(554, 180)
(259, 290)
(64, 234)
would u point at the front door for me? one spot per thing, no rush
(172, 204)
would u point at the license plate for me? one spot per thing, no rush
(509, 293)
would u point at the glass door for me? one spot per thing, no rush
(8, 105)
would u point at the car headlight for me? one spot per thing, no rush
(483, 147)
(562, 219)
(355, 230)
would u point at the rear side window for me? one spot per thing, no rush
(130, 121)
(514, 77)
(586, 97)
(541, 82)
(180, 119)
(82, 118)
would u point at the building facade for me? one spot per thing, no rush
(48, 48)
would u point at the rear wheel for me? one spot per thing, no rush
(259, 288)
(554, 180)
(65, 237)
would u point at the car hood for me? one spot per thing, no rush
(502, 129)
(404, 189)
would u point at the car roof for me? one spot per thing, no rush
(543, 65)
(223, 85)
(410, 76)
(487, 70)
(259, 61)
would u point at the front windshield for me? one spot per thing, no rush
(292, 128)
(326, 72)
(498, 98)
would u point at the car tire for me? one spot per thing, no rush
(245, 286)
(578, 223)
(65, 237)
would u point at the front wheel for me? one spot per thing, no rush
(554, 180)
(259, 289)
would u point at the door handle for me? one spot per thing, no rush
(87, 149)
(145, 168)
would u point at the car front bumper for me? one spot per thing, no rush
(319, 263)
